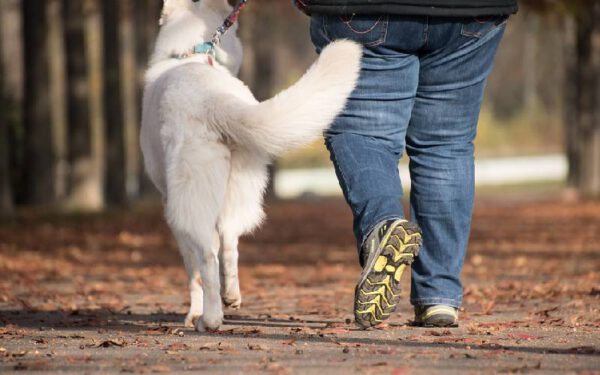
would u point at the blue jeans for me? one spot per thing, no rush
(421, 89)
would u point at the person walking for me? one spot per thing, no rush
(422, 82)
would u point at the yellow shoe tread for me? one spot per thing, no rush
(376, 299)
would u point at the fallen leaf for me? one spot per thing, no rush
(522, 336)
(213, 347)
(333, 331)
(178, 346)
(112, 343)
(255, 347)
(438, 333)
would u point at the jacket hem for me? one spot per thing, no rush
(412, 10)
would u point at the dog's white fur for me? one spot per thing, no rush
(207, 142)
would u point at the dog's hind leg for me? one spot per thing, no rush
(230, 282)
(197, 175)
(212, 314)
(192, 267)
(241, 213)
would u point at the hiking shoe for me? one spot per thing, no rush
(387, 252)
(436, 316)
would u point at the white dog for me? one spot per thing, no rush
(207, 142)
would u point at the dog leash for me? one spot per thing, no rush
(210, 48)
(229, 21)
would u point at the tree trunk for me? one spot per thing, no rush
(531, 66)
(147, 13)
(95, 83)
(588, 98)
(58, 102)
(113, 106)
(85, 188)
(12, 49)
(6, 202)
(590, 184)
(571, 118)
(129, 87)
(259, 65)
(38, 184)
(11, 60)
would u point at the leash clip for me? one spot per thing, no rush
(207, 48)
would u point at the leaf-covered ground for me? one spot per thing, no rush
(107, 293)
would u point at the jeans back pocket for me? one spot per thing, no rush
(367, 30)
(478, 27)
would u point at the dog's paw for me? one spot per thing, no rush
(232, 303)
(231, 295)
(191, 319)
(208, 325)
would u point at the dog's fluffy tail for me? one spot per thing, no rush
(299, 114)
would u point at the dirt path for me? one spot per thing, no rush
(107, 293)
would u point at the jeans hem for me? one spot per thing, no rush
(456, 303)
(377, 222)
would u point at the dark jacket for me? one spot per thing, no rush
(443, 8)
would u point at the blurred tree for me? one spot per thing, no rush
(530, 65)
(6, 205)
(95, 76)
(570, 100)
(259, 64)
(58, 100)
(147, 13)
(260, 45)
(585, 155)
(11, 98)
(582, 89)
(129, 88)
(85, 178)
(39, 163)
(113, 106)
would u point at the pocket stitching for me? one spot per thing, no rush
(384, 20)
(383, 38)
(473, 34)
(349, 24)
(480, 34)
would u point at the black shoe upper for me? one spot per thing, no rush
(373, 240)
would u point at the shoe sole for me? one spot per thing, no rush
(441, 322)
(435, 317)
(378, 292)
